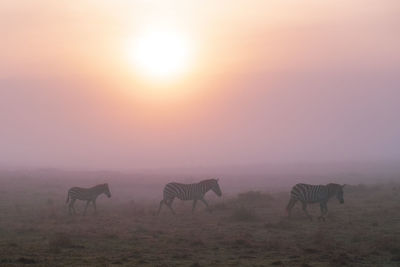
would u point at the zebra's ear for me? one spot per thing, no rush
(343, 185)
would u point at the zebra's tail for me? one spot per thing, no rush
(67, 198)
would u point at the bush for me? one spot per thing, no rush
(243, 214)
(254, 196)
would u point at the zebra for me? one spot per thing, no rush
(193, 192)
(88, 194)
(308, 194)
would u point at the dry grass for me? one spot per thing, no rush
(249, 229)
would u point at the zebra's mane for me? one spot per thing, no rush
(207, 181)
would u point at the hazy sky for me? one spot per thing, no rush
(269, 81)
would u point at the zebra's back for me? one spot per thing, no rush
(182, 191)
(309, 193)
(81, 193)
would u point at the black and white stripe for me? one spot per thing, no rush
(87, 194)
(307, 194)
(193, 192)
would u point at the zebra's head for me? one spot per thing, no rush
(107, 190)
(215, 187)
(336, 190)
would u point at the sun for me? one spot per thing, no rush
(160, 54)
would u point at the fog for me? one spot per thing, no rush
(309, 83)
(307, 118)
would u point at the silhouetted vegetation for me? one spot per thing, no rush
(254, 196)
(243, 214)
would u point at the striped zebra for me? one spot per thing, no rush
(88, 194)
(308, 194)
(193, 192)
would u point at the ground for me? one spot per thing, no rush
(249, 229)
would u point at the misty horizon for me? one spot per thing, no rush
(314, 83)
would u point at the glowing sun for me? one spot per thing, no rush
(161, 54)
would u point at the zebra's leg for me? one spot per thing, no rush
(159, 209)
(324, 210)
(305, 210)
(205, 203)
(169, 205)
(71, 206)
(94, 206)
(290, 206)
(322, 207)
(194, 205)
(87, 204)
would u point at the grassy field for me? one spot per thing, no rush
(248, 229)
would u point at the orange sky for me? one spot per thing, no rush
(269, 81)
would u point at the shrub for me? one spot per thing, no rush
(254, 196)
(243, 214)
